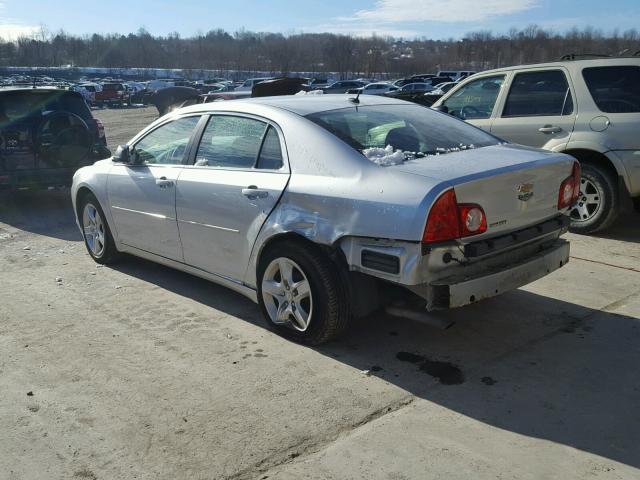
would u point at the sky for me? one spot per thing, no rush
(437, 19)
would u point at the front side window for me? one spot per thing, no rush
(476, 99)
(231, 142)
(614, 89)
(544, 93)
(414, 130)
(167, 144)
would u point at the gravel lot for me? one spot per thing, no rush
(121, 124)
(139, 371)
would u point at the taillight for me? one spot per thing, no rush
(576, 173)
(570, 188)
(449, 220)
(472, 219)
(100, 127)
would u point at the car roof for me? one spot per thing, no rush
(591, 62)
(37, 89)
(300, 104)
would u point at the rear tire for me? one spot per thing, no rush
(95, 230)
(284, 307)
(599, 203)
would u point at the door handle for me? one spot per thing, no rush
(162, 182)
(252, 192)
(549, 129)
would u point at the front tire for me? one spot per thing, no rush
(599, 203)
(95, 230)
(301, 294)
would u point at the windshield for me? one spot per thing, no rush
(33, 103)
(391, 134)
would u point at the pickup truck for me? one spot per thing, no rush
(112, 94)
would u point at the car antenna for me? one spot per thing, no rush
(357, 99)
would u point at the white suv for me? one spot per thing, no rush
(589, 109)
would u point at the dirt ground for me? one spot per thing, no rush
(123, 123)
(139, 371)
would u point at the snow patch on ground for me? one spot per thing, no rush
(384, 156)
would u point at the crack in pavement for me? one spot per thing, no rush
(292, 453)
(631, 269)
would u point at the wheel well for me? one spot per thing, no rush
(82, 192)
(362, 290)
(594, 158)
(294, 237)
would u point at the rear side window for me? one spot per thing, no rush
(614, 89)
(271, 153)
(231, 142)
(32, 104)
(535, 94)
(74, 104)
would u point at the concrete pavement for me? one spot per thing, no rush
(139, 371)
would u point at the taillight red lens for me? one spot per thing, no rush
(449, 220)
(570, 188)
(576, 174)
(443, 223)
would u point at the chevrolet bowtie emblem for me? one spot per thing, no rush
(525, 191)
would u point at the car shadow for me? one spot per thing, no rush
(626, 228)
(44, 212)
(521, 362)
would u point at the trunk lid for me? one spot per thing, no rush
(516, 186)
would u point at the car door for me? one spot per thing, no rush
(476, 101)
(142, 193)
(237, 177)
(538, 110)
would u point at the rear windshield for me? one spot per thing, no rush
(391, 134)
(113, 86)
(27, 104)
(614, 89)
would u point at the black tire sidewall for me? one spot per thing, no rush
(322, 285)
(109, 248)
(608, 209)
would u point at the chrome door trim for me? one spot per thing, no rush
(216, 227)
(155, 215)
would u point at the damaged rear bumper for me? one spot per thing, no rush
(457, 291)
(453, 275)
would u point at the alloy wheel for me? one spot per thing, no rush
(286, 293)
(93, 228)
(589, 201)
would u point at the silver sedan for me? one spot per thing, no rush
(325, 207)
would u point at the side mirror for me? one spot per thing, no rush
(122, 154)
(441, 108)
